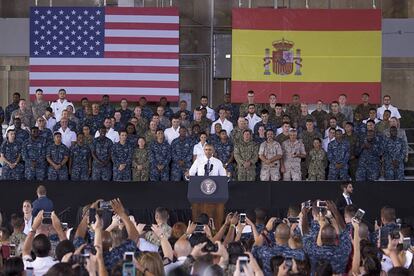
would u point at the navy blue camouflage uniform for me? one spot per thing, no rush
(21, 135)
(47, 136)
(181, 149)
(159, 154)
(101, 147)
(106, 110)
(11, 152)
(57, 153)
(223, 153)
(126, 115)
(9, 110)
(336, 255)
(369, 160)
(80, 156)
(338, 152)
(34, 156)
(394, 150)
(122, 154)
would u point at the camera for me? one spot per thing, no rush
(406, 243)
(307, 204)
(395, 235)
(47, 218)
(64, 226)
(210, 247)
(242, 218)
(128, 257)
(199, 228)
(243, 260)
(92, 215)
(321, 204)
(293, 219)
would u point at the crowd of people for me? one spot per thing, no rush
(314, 238)
(253, 141)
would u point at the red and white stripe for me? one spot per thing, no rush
(141, 59)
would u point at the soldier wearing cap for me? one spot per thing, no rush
(293, 152)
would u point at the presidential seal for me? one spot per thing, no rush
(208, 186)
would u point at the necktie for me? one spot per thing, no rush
(208, 167)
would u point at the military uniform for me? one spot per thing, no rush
(39, 108)
(126, 115)
(204, 125)
(394, 150)
(160, 154)
(266, 127)
(348, 112)
(382, 126)
(292, 164)
(369, 161)
(101, 147)
(11, 152)
(317, 165)
(321, 119)
(57, 153)
(121, 154)
(281, 138)
(224, 152)
(96, 122)
(147, 113)
(237, 135)
(244, 108)
(149, 137)
(21, 135)
(165, 122)
(80, 155)
(293, 110)
(141, 126)
(25, 116)
(307, 140)
(107, 110)
(244, 152)
(140, 158)
(71, 125)
(364, 109)
(269, 151)
(1, 116)
(360, 129)
(340, 118)
(46, 135)
(302, 122)
(338, 152)
(132, 140)
(353, 141)
(9, 110)
(181, 150)
(277, 121)
(118, 126)
(154, 239)
(34, 151)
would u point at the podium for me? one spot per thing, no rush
(208, 194)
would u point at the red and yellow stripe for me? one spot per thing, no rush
(340, 52)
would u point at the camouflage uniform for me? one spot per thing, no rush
(160, 154)
(293, 110)
(382, 126)
(118, 126)
(246, 152)
(149, 137)
(21, 135)
(243, 109)
(181, 149)
(237, 135)
(338, 152)
(132, 140)
(307, 140)
(142, 126)
(277, 121)
(71, 125)
(364, 110)
(165, 122)
(292, 164)
(34, 151)
(126, 115)
(204, 126)
(39, 108)
(1, 116)
(140, 158)
(340, 118)
(152, 238)
(11, 152)
(269, 151)
(25, 116)
(353, 157)
(46, 135)
(224, 152)
(80, 155)
(57, 153)
(321, 119)
(348, 112)
(107, 110)
(9, 110)
(317, 165)
(369, 162)
(96, 122)
(302, 122)
(147, 113)
(281, 138)
(394, 149)
(266, 127)
(360, 129)
(121, 154)
(102, 150)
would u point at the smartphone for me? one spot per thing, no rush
(105, 205)
(242, 218)
(210, 247)
(406, 243)
(243, 260)
(47, 218)
(211, 223)
(128, 257)
(29, 271)
(128, 269)
(307, 204)
(199, 228)
(92, 215)
(64, 226)
(358, 215)
(321, 204)
(288, 263)
(12, 250)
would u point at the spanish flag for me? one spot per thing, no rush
(316, 53)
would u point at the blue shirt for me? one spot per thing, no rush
(42, 203)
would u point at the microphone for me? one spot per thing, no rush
(211, 167)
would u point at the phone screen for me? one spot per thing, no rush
(92, 214)
(242, 218)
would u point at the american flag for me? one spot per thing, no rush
(122, 52)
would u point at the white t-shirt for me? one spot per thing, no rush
(393, 109)
(226, 125)
(198, 150)
(58, 106)
(111, 134)
(68, 136)
(40, 265)
(171, 133)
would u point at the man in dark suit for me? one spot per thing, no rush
(345, 198)
(42, 202)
